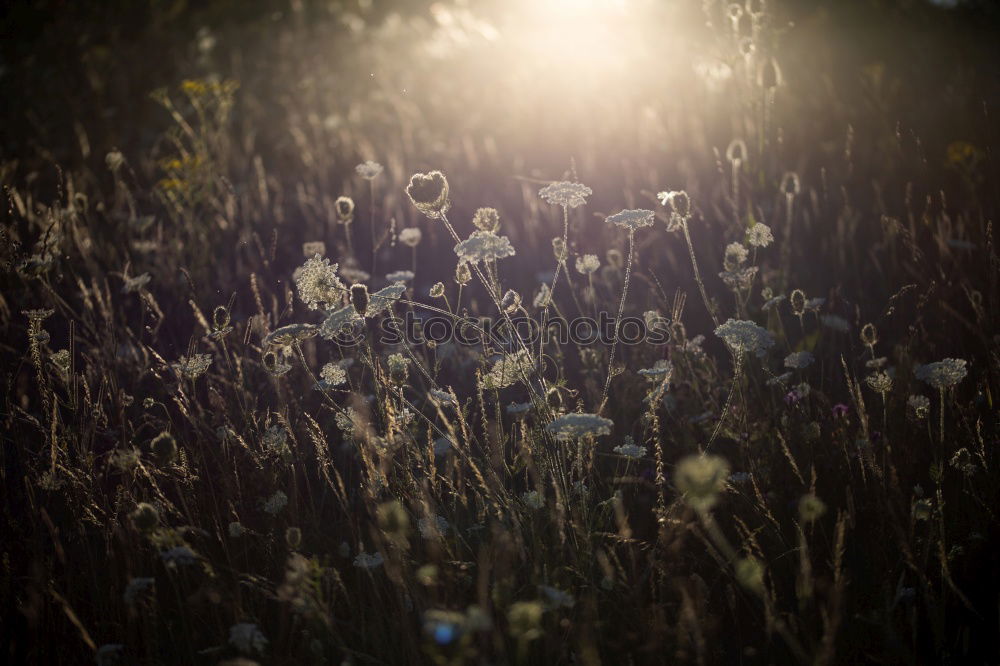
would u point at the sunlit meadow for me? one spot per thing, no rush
(499, 332)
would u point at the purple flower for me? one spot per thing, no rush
(792, 397)
(840, 410)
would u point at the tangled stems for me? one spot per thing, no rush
(618, 318)
(697, 273)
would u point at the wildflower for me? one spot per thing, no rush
(814, 304)
(318, 284)
(660, 371)
(486, 219)
(630, 449)
(632, 219)
(920, 405)
(483, 246)
(276, 503)
(745, 336)
(880, 382)
(348, 421)
(136, 587)
(164, 448)
(178, 556)
(437, 290)
(359, 298)
(518, 409)
(511, 368)
(463, 274)
(288, 335)
(366, 561)
(337, 322)
(432, 528)
(839, 410)
(275, 439)
(399, 276)
(533, 499)
(369, 170)
(353, 274)
(800, 359)
(134, 284)
(869, 336)
(739, 279)
(511, 301)
(579, 425)
(811, 508)
(587, 264)
(193, 366)
(429, 193)
(559, 249)
(441, 397)
(771, 301)
(565, 194)
(962, 461)
(735, 256)
(759, 235)
(114, 160)
(835, 322)
(247, 638)
(943, 374)
(700, 479)
(313, 248)
(780, 380)
(798, 302)
(275, 363)
(332, 375)
(344, 207)
(398, 368)
(410, 236)
(679, 202)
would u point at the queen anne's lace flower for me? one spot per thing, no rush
(318, 284)
(193, 366)
(701, 478)
(382, 299)
(759, 235)
(745, 336)
(484, 246)
(630, 449)
(660, 371)
(410, 236)
(369, 170)
(366, 561)
(800, 359)
(276, 503)
(399, 276)
(633, 219)
(332, 375)
(587, 264)
(290, 334)
(338, 321)
(579, 425)
(943, 374)
(510, 369)
(564, 193)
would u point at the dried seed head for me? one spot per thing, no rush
(798, 301)
(463, 274)
(736, 153)
(164, 448)
(359, 298)
(145, 517)
(790, 185)
(429, 193)
(437, 291)
(220, 317)
(293, 537)
(869, 336)
(345, 209)
(511, 301)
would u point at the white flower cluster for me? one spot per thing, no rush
(332, 374)
(579, 425)
(630, 449)
(633, 219)
(759, 235)
(366, 561)
(944, 373)
(510, 369)
(193, 366)
(484, 246)
(564, 193)
(745, 336)
(800, 359)
(369, 170)
(318, 284)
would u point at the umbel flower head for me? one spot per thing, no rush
(633, 219)
(577, 426)
(410, 236)
(944, 373)
(193, 366)
(566, 194)
(369, 170)
(745, 336)
(701, 478)
(429, 193)
(288, 335)
(759, 235)
(318, 284)
(587, 264)
(484, 246)
(486, 219)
